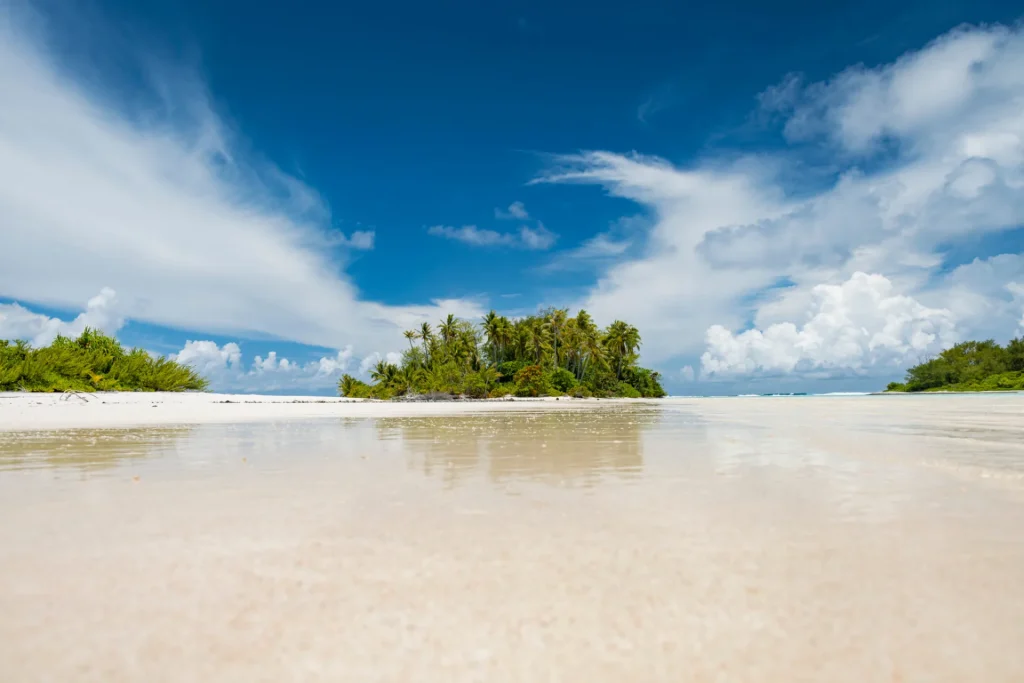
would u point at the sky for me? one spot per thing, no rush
(790, 196)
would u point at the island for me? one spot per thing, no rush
(549, 354)
(968, 366)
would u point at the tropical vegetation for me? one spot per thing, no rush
(969, 366)
(549, 354)
(92, 362)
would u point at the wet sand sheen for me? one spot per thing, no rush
(781, 540)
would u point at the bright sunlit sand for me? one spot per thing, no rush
(840, 539)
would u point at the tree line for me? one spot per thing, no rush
(969, 366)
(549, 354)
(92, 362)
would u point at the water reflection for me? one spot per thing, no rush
(567, 448)
(85, 449)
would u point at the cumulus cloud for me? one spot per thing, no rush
(164, 203)
(101, 313)
(929, 151)
(224, 367)
(538, 238)
(860, 326)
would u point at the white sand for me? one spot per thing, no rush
(779, 540)
(32, 411)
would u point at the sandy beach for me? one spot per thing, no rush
(841, 539)
(29, 412)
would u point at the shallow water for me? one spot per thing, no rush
(805, 539)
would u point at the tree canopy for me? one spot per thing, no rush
(537, 355)
(92, 362)
(969, 366)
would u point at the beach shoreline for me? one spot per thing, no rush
(31, 412)
(24, 411)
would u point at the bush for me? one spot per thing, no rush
(1015, 355)
(92, 362)
(563, 380)
(628, 391)
(896, 386)
(509, 368)
(581, 391)
(645, 381)
(531, 381)
(350, 387)
(501, 391)
(474, 386)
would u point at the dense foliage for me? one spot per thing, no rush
(550, 354)
(92, 362)
(969, 366)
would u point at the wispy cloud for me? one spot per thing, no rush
(539, 238)
(166, 205)
(592, 252)
(658, 101)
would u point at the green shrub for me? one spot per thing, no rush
(647, 382)
(581, 391)
(92, 362)
(474, 385)
(509, 368)
(350, 387)
(563, 380)
(628, 391)
(1015, 355)
(896, 386)
(969, 366)
(531, 381)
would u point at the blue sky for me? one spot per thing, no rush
(794, 196)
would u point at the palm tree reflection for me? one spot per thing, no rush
(563, 448)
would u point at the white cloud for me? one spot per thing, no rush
(538, 238)
(929, 152)
(860, 326)
(687, 373)
(209, 359)
(368, 362)
(516, 212)
(597, 250)
(101, 313)
(362, 239)
(162, 203)
(224, 367)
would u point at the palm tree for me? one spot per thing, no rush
(588, 344)
(631, 339)
(490, 376)
(506, 333)
(492, 330)
(621, 341)
(537, 339)
(383, 372)
(556, 320)
(426, 334)
(448, 328)
(410, 335)
(347, 385)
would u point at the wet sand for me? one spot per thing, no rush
(779, 540)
